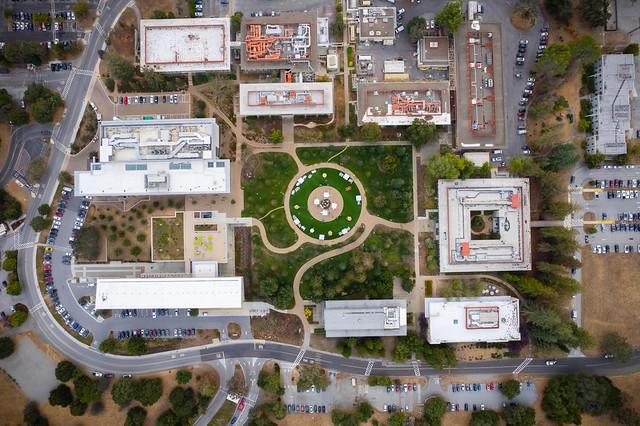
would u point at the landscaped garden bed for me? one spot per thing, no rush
(168, 237)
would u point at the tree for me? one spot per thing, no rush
(617, 346)
(18, 318)
(420, 133)
(136, 416)
(87, 389)
(585, 49)
(370, 132)
(108, 345)
(32, 416)
(66, 370)
(364, 412)
(61, 396)
(416, 28)
(123, 391)
(65, 178)
(119, 67)
(560, 209)
(78, 408)
(10, 208)
(450, 17)
(36, 169)
(43, 109)
(312, 376)
(88, 243)
(183, 402)
(18, 116)
(561, 10)
(81, 9)
(44, 209)
(397, 419)
(236, 21)
(39, 223)
(24, 52)
(10, 263)
(275, 137)
(340, 418)
(632, 49)
(555, 60)
(519, 415)
(511, 388)
(484, 418)
(525, 167)
(560, 157)
(595, 12)
(148, 391)
(168, 418)
(434, 409)
(6, 347)
(183, 377)
(594, 160)
(14, 288)
(270, 382)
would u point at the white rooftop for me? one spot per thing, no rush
(185, 45)
(286, 99)
(472, 319)
(356, 318)
(503, 244)
(149, 293)
(118, 178)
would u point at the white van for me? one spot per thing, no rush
(400, 29)
(522, 131)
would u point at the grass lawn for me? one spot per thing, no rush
(317, 155)
(168, 238)
(224, 414)
(265, 180)
(350, 211)
(386, 171)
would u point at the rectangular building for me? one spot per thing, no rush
(433, 54)
(185, 45)
(611, 104)
(400, 103)
(287, 41)
(377, 25)
(472, 319)
(286, 99)
(485, 225)
(358, 318)
(169, 293)
(156, 157)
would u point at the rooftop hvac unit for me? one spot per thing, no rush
(378, 33)
(433, 44)
(371, 33)
(273, 30)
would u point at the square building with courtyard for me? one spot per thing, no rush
(484, 225)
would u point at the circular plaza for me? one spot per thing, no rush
(325, 203)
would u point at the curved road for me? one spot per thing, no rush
(53, 333)
(19, 138)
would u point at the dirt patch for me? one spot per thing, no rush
(5, 141)
(471, 352)
(278, 327)
(258, 129)
(19, 193)
(86, 131)
(522, 23)
(323, 343)
(122, 37)
(630, 387)
(11, 407)
(179, 8)
(242, 239)
(610, 296)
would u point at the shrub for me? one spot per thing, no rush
(6, 347)
(135, 251)
(18, 318)
(66, 370)
(183, 377)
(141, 237)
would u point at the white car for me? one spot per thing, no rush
(551, 362)
(97, 374)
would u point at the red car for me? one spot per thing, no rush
(241, 404)
(47, 267)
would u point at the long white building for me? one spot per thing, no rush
(156, 157)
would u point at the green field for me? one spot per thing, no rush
(386, 172)
(351, 209)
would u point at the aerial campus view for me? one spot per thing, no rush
(321, 212)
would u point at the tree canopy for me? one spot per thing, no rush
(555, 60)
(594, 12)
(119, 67)
(123, 391)
(420, 133)
(416, 28)
(183, 377)
(511, 388)
(87, 390)
(88, 244)
(519, 415)
(148, 391)
(6, 347)
(561, 10)
(617, 346)
(270, 382)
(10, 207)
(434, 409)
(61, 396)
(450, 17)
(136, 416)
(312, 376)
(66, 370)
(81, 9)
(183, 402)
(484, 418)
(370, 132)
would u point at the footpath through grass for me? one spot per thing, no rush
(264, 182)
(386, 171)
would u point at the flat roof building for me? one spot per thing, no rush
(165, 293)
(400, 103)
(286, 99)
(472, 319)
(433, 53)
(484, 225)
(358, 318)
(377, 24)
(156, 157)
(611, 104)
(185, 45)
(287, 41)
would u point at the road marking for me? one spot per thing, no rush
(36, 307)
(299, 357)
(416, 368)
(522, 365)
(367, 372)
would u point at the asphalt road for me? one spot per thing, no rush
(19, 139)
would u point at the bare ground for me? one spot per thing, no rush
(18, 193)
(278, 327)
(610, 297)
(5, 141)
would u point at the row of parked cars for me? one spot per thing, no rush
(406, 387)
(474, 387)
(617, 183)
(306, 408)
(151, 99)
(57, 217)
(61, 66)
(599, 249)
(69, 321)
(157, 332)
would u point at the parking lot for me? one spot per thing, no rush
(155, 105)
(614, 203)
(39, 21)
